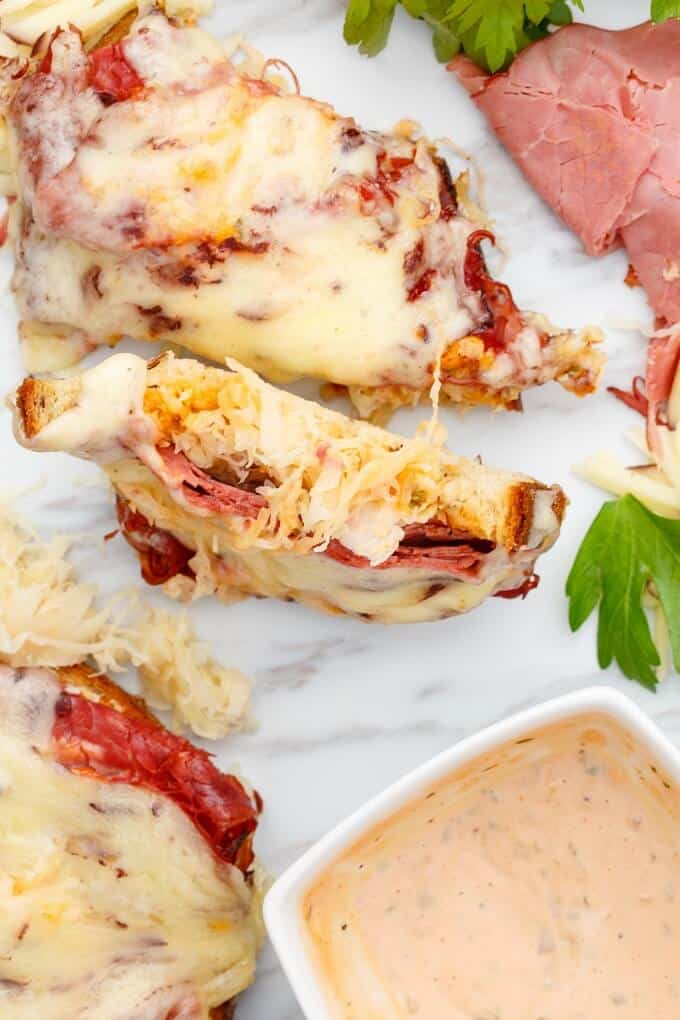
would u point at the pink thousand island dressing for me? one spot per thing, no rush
(539, 882)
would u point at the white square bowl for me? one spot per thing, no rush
(283, 904)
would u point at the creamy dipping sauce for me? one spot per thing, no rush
(539, 882)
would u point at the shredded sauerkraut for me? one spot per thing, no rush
(179, 674)
(330, 478)
(50, 618)
(24, 21)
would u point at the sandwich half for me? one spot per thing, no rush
(164, 195)
(228, 485)
(127, 883)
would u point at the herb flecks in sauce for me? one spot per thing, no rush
(539, 882)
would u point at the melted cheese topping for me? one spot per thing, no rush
(113, 906)
(106, 415)
(215, 212)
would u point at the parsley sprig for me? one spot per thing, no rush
(664, 9)
(626, 549)
(492, 32)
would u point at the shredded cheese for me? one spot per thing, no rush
(50, 618)
(656, 482)
(651, 488)
(26, 22)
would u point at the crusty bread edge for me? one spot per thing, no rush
(520, 511)
(99, 687)
(40, 401)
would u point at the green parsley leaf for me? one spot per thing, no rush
(537, 10)
(498, 34)
(356, 14)
(491, 32)
(445, 41)
(368, 24)
(664, 9)
(560, 13)
(416, 8)
(626, 548)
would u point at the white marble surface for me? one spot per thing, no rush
(345, 707)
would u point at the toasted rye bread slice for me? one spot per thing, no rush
(490, 504)
(40, 401)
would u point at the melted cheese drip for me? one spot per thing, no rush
(107, 414)
(113, 906)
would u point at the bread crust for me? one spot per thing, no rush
(520, 514)
(40, 401)
(520, 517)
(99, 687)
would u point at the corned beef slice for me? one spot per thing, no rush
(663, 361)
(593, 119)
(433, 545)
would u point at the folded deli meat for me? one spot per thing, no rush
(126, 866)
(593, 119)
(656, 396)
(164, 195)
(226, 484)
